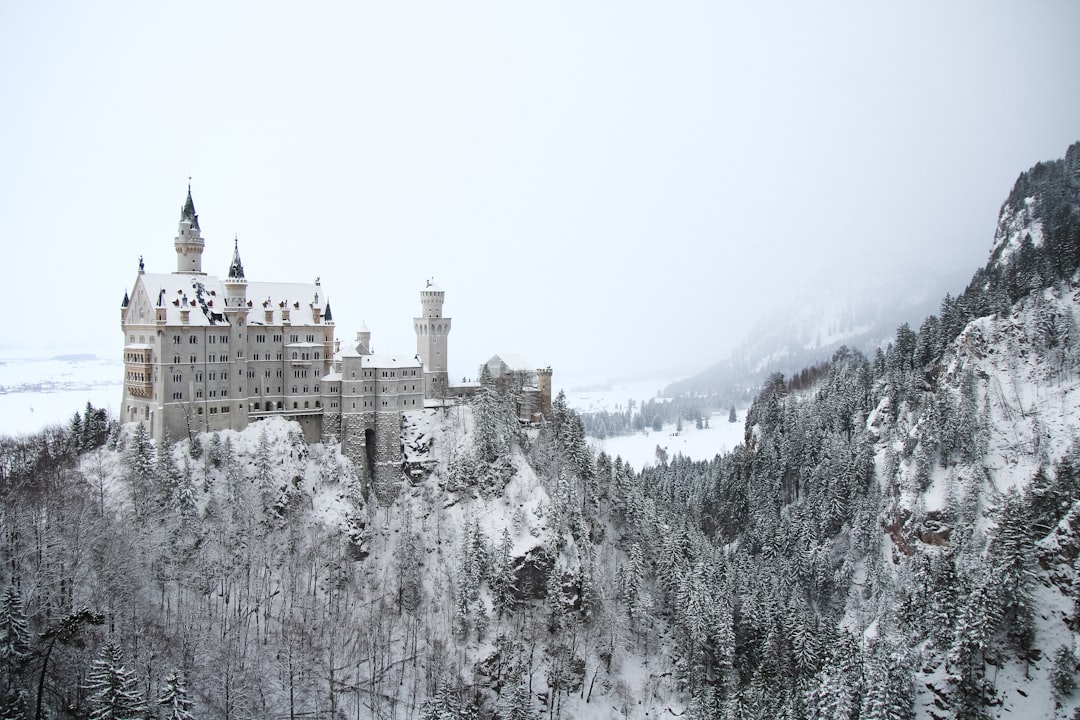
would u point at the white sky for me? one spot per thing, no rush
(605, 187)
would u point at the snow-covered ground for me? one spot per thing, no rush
(35, 392)
(639, 449)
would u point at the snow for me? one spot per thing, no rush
(37, 391)
(1012, 227)
(639, 449)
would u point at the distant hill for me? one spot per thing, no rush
(815, 323)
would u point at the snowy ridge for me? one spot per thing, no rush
(1013, 225)
(1032, 407)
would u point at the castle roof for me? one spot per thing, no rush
(236, 268)
(389, 362)
(204, 295)
(508, 362)
(188, 211)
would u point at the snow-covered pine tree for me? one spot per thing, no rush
(519, 705)
(14, 655)
(140, 471)
(113, 689)
(174, 698)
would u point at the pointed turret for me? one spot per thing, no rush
(236, 268)
(328, 316)
(187, 213)
(126, 300)
(236, 283)
(189, 242)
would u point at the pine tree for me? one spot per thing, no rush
(519, 705)
(1014, 553)
(1063, 672)
(732, 417)
(447, 703)
(503, 576)
(113, 689)
(140, 470)
(175, 699)
(14, 654)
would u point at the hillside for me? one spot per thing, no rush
(896, 537)
(816, 321)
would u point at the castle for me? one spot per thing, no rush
(203, 353)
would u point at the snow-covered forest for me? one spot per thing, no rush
(897, 537)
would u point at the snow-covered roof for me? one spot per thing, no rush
(332, 377)
(204, 297)
(389, 361)
(511, 361)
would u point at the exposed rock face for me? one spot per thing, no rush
(532, 572)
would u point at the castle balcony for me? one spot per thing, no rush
(142, 390)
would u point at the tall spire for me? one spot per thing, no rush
(236, 268)
(188, 211)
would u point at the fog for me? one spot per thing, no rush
(609, 188)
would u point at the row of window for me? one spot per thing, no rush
(385, 403)
(179, 377)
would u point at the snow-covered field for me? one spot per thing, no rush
(639, 449)
(35, 392)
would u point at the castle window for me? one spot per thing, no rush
(193, 359)
(193, 340)
(198, 377)
(294, 338)
(277, 338)
(176, 359)
(225, 409)
(266, 373)
(213, 411)
(176, 339)
(256, 406)
(210, 340)
(294, 406)
(224, 376)
(198, 394)
(200, 411)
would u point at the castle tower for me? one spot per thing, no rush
(363, 341)
(431, 331)
(543, 383)
(189, 242)
(236, 313)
